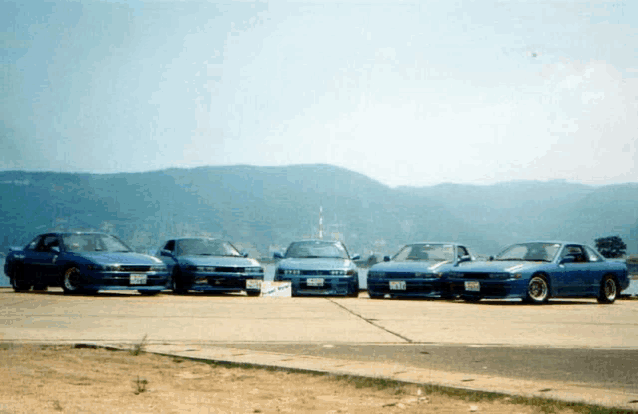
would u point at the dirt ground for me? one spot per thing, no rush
(66, 379)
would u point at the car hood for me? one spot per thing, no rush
(316, 264)
(411, 266)
(217, 261)
(125, 258)
(498, 266)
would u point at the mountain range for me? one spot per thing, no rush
(263, 209)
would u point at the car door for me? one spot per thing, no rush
(44, 259)
(571, 278)
(167, 255)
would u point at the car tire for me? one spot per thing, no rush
(253, 293)
(608, 290)
(176, 284)
(148, 292)
(70, 281)
(471, 299)
(17, 281)
(537, 290)
(354, 294)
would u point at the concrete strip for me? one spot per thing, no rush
(554, 390)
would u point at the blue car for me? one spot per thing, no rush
(416, 270)
(210, 265)
(83, 262)
(537, 271)
(318, 267)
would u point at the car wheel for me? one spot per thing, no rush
(148, 292)
(253, 292)
(354, 294)
(471, 299)
(537, 290)
(176, 284)
(71, 280)
(608, 290)
(17, 281)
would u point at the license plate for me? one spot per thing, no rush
(137, 279)
(472, 286)
(315, 281)
(397, 285)
(253, 284)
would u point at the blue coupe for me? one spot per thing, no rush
(83, 262)
(416, 270)
(210, 265)
(536, 271)
(318, 267)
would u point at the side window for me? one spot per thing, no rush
(170, 245)
(592, 256)
(577, 252)
(463, 251)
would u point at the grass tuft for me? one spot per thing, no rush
(139, 347)
(140, 385)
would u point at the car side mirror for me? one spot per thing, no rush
(491, 258)
(244, 254)
(386, 258)
(355, 257)
(277, 255)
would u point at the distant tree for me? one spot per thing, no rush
(611, 247)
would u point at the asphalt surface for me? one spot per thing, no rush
(576, 350)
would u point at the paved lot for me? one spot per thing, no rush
(575, 348)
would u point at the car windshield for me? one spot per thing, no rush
(425, 252)
(205, 247)
(316, 249)
(93, 242)
(533, 252)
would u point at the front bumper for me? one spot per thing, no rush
(155, 281)
(489, 288)
(321, 285)
(426, 288)
(222, 282)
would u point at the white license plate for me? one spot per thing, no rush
(137, 279)
(253, 284)
(397, 285)
(472, 286)
(318, 281)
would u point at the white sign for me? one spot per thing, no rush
(276, 289)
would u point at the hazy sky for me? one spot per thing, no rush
(406, 92)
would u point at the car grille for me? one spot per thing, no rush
(227, 269)
(134, 268)
(475, 275)
(315, 272)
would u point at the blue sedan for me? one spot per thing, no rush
(416, 270)
(210, 265)
(83, 262)
(537, 271)
(318, 267)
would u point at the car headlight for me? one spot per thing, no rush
(376, 274)
(159, 268)
(292, 272)
(500, 275)
(454, 275)
(516, 275)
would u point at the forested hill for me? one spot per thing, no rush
(264, 208)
